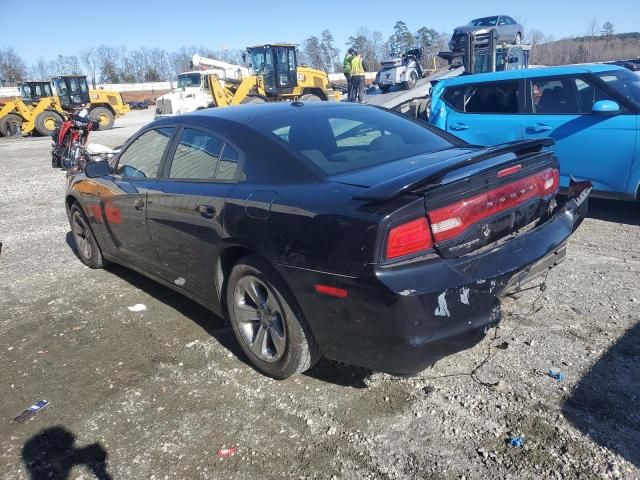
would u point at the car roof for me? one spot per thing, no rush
(531, 72)
(248, 112)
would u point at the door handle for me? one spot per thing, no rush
(459, 126)
(138, 205)
(207, 211)
(538, 128)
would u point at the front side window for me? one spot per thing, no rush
(624, 82)
(491, 98)
(342, 139)
(261, 61)
(142, 158)
(196, 156)
(564, 96)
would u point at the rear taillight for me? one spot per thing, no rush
(452, 220)
(408, 238)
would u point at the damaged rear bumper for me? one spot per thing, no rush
(406, 317)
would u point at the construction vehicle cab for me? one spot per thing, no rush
(277, 65)
(276, 77)
(34, 91)
(72, 90)
(489, 56)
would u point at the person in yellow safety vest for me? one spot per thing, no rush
(346, 69)
(357, 77)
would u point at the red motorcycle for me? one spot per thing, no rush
(69, 140)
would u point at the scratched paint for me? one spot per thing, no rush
(180, 281)
(464, 296)
(407, 292)
(442, 310)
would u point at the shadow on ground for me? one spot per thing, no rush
(51, 454)
(606, 403)
(614, 211)
(217, 327)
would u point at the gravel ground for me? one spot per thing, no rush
(154, 394)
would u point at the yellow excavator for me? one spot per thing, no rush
(39, 109)
(276, 77)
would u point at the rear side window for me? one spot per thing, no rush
(197, 155)
(142, 157)
(228, 166)
(343, 139)
(488, 98)
(493, 98)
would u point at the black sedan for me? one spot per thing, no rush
(328, 229)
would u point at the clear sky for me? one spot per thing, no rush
(48, 28)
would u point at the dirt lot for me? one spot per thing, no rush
(154, 394)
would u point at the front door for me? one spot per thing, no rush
(125, 233)
(487, 113)
(589, 146)
(186, 208)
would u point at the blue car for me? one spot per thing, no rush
(591, 111)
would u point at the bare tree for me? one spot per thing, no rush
(12, 67)
(592, 28)
(108, 59)
(43, 70)
(89, 60)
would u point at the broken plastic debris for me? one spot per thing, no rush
(226, 452)
(557, 375)
(517, 442)
(31, 411)
(138, 307)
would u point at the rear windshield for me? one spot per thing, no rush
(342, 139)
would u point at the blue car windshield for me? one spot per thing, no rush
(624, 82)
(483, 22)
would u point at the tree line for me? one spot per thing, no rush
(112, 64)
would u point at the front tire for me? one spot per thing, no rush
(309, 97)
(384, 88)
(10, 125)
(47, 121)
(266, 321)
(103, 116)
(86, 245)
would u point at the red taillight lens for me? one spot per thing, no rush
(450, 221)
(411, 237)
(331, 291)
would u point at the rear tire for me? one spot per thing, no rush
(103, 116)
(266, 320)
(86, 244)
(309, 97)
(47, 121)
(413, 79)
(10, 125)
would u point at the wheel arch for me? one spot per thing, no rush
(315, 91)
(102, 105)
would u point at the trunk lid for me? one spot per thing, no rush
(473, 197)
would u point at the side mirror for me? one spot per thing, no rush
(605, 107)
(97, 169)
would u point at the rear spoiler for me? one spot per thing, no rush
(421, 177)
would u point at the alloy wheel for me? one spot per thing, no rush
(81, 235)
(259, 318)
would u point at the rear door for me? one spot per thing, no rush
(486, 113)
(589, 146)
(186, 208)
(125, 231)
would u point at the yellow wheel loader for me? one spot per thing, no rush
(276, 77)
(39, 109)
